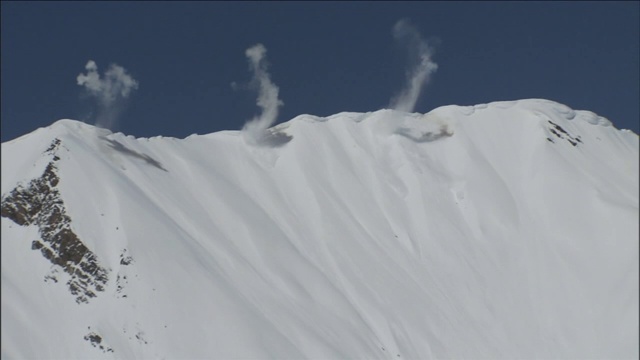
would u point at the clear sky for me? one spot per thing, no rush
(326, 57)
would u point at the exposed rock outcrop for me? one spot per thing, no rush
(39, 203)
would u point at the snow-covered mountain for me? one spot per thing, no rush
(506, 230)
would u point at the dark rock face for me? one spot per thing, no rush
(96, 341)
(561, 133)
(39, 203)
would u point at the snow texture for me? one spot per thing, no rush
(504, 230)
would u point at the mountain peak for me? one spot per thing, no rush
(469, 231)
(549, 108)
(75, 126)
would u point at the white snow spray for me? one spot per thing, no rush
(110, 91)
(420, 65)
(256, 129)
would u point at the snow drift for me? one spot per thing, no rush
(505, 230)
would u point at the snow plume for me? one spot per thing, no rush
(110, 91)
(420, 68)
(255, 130)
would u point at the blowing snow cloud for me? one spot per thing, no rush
(110, 91)
(256, 129)
(420, 65)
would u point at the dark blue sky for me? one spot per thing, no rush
(326, 57)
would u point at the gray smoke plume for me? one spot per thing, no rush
(420, 65)
(256, 129)
(110, 91)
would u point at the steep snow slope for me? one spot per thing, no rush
(506, 230)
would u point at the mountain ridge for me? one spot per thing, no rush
(456, 233)
(567, 112)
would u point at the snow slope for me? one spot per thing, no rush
(504, 230)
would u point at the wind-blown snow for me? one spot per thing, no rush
(506, 230)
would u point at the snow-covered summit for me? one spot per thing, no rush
(505, 230)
